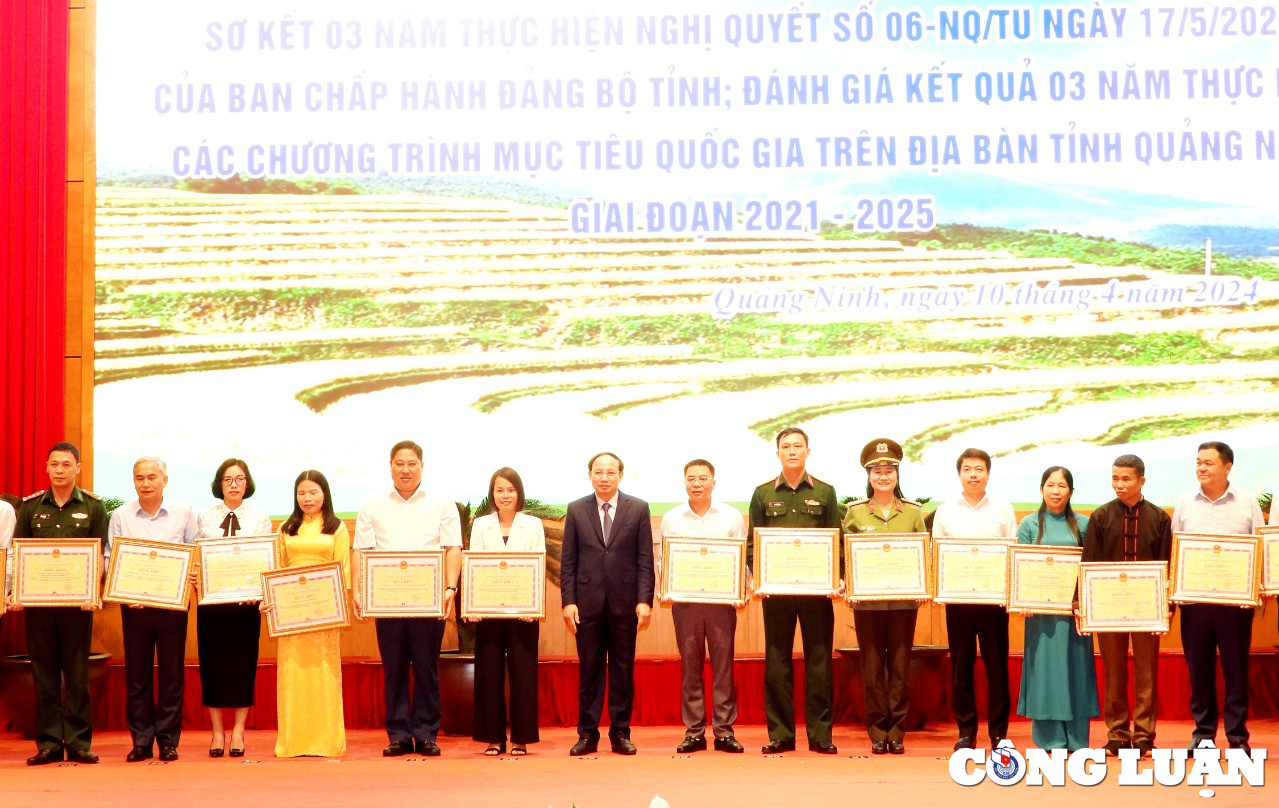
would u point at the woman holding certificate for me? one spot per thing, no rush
(506, 643)
(309, 666)
(228, 633)
(885, 628)
(1058, 675)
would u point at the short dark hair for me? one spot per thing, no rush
(249, 487)
(972, 454)
(511, 476)
(63, 446)
(699, 462)
(331, 520)
(1131, 461)
(790, 430)
(620, 465)
(406, 444)
(1223, 450)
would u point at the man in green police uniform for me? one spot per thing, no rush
(796, 499)
(58, 636)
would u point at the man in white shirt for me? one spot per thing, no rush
(408, 519)
(151, 633)
(977, 515)
(1215, 506)
(702, 626)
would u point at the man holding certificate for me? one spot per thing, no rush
(154, 638)
(1215, 506)
(976, 515)
(1129, 528)
(705, 626)
(58, 637)
(408, 519)
(795, 498)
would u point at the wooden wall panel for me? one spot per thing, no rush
(81, 203)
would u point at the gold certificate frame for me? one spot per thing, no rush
(56, 572)
(797, 561)
(150, 573)
(389, 583)
(305, 599)
(1269, 560)
(1210, 568)
(887, 566)
(503, 585)
(231, 568)
(1123, 596)
(971, 570)
(1042, 579)
(703, 570)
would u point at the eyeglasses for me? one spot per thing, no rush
(703, 479)
(234, 480)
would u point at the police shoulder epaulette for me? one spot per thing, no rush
(90, 494)
(912, 502)
(39, 493)
(858, 502)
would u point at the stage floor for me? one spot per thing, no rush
(549, 777)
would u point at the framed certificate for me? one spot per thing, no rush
(503, 584)
(56, 572)
(797, 561)
(1041, 579)
(971, 570)
(150, 573)
(703, 570)
(1209, 568)
(887, 566)
(1269, 560)
(311, 598)
(1123, 596)
(231, 569)
(400, 584)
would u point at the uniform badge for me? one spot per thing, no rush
(776, 504)
(811, 502)
(79, 516)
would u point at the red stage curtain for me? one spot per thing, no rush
(33, 216)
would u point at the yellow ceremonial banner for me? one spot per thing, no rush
(703, 570)
(503, 585)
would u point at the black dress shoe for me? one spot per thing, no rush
(777, 747)
(1144, 748)
(138, 753)
(729, 744)
(81, 756)
(823, 747)
(896, 748)
(623, 746)
(237, 751)
(879, 747)
(168, 753)
(43, 757)
(996, 740)
(584, 746)
(965, 742)
(215, 751)
(691, 745)
(1247, 750)
(426, 748)
(397, 748)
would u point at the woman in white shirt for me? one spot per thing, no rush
(509, 643)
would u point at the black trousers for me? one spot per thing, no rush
(505, 651)
(606, 639)
(965, 625)
(58, 639)
(405, 642)
(1207, 631)
(816, 618)
(155, 641)
(885, 638)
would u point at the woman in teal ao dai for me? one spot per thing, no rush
(1058, 676)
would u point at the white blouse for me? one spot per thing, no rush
(252, 521)
(527, 535)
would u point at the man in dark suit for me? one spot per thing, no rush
(606, 583)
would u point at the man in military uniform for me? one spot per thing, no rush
(796, 499)
(58, 636)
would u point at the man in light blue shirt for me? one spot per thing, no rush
(1209, 629)
(151, 633)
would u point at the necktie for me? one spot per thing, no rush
(608, 521)
(230, 525)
